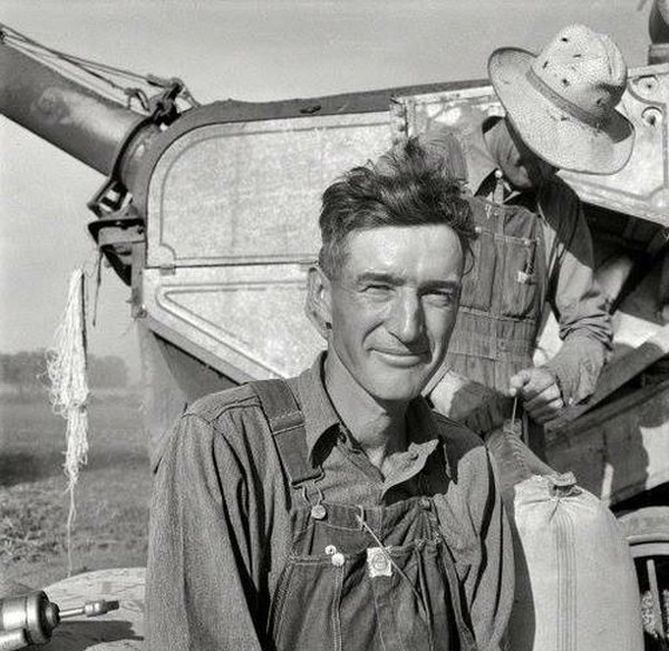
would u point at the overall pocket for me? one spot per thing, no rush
(477, 282)
(306, 605)
(520, 282)
(354, 607)
(309, 612)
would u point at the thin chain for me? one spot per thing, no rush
(92, 68)
(389, 558)
(20, 40)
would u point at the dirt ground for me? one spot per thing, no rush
(112, 496)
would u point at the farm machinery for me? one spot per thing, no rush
(207, 214)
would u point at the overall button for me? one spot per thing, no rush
(318, 512)
(337, 559)
(330, 550)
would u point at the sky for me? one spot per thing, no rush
(246, 50)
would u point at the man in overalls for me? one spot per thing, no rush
(335, 510)
(534, 245)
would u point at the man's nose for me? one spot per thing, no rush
(407, 321)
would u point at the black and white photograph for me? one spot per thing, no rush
(334, 325)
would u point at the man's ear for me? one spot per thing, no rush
(317, 305)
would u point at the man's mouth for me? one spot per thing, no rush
(403, 358)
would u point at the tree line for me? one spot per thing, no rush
(27, 370)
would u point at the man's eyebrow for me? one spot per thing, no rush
(394, 280)
(379, 276)
(452, 285)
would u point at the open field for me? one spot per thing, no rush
(112, 496)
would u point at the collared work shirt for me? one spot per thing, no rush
(220, 521)
(572, 291)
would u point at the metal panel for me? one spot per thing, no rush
(641, 188)
(248, 192)
(246, 322)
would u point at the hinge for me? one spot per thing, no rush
(116, 236)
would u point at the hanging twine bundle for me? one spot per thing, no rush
(66, 366)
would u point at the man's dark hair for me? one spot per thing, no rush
(409, 186)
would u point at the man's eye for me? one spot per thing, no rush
(441, 298)
(379, 292)
(377, 289)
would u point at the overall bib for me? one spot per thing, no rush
(498, 318)
(377, 578)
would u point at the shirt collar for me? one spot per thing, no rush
(321, 418)
(319, 414)
(424, 432)
(480, 163)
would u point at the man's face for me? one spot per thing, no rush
(520, 165)
(393, 306)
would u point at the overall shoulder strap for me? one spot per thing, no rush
(543, 272)
(286, 423)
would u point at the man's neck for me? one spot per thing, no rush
(379, 428)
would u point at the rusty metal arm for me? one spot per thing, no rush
(101, 133)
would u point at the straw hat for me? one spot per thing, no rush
(562, 101)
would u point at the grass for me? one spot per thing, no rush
(112, 495)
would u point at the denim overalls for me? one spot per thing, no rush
(504, 286)
(357, 578)
(502, 296)
(500, 309)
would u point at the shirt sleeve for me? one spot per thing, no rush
(490, 585)
(201, 590)
(577, 301)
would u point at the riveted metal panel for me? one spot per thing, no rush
(248, 192)
(640, 189)
(246, 322)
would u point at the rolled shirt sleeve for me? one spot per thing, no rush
(573, 293)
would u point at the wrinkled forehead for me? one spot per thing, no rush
(417, 252)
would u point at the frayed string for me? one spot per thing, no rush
(66, 366)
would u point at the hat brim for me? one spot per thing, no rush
(551, 132)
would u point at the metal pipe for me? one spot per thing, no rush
(79, 121)
(91, 609)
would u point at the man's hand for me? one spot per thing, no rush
(539, 391)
